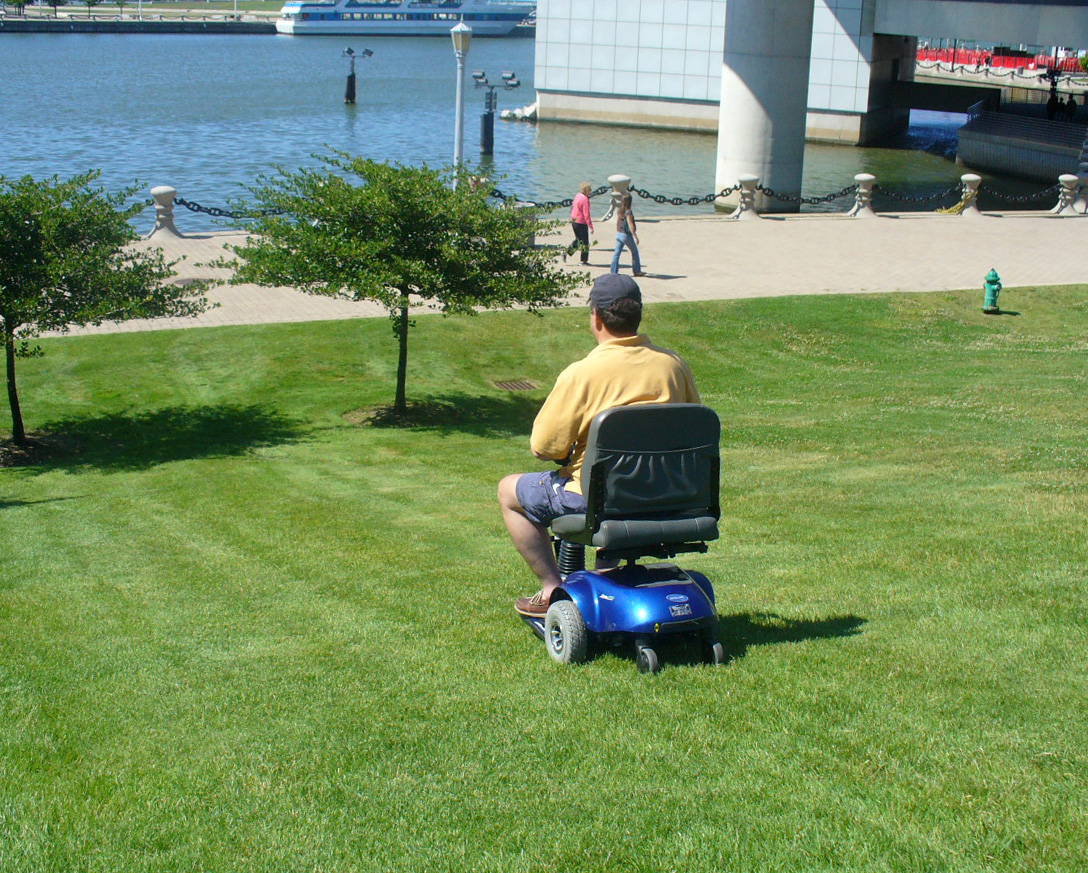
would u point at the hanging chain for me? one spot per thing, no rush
(787, 198)
(550, 205)
(906, 198)
(216, 212)
(547, 205)
(684, 201)
(1026, 198)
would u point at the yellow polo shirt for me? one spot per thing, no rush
(618, 372)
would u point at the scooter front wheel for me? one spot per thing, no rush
(565, 633)
(647, 661)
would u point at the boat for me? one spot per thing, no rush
(402, 17)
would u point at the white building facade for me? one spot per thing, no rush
(659, 63)
(764, 74)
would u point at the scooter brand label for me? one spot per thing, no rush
(680, 609)
(676, 598)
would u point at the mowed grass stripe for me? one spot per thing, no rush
(241, 631)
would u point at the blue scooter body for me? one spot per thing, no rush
(642, 601)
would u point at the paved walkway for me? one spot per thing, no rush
(714, 258)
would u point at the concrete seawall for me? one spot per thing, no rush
(91, 25)
(1033, 148)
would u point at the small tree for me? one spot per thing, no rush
(364, 230)
(56, 4)
(64, 261)
(89, 4)
(19, 5)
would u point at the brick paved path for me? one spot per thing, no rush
(711, 257)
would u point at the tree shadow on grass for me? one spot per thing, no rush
(482, 416)
(14, 504)
(140, 440)
(740, 632)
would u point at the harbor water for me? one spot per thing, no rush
(209, 114)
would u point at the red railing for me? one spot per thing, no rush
(984, 58)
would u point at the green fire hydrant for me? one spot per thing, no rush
(992, 287)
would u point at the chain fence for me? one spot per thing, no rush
(1025, 198)
(684, 201)
(812, 201)
(1000, 72)
(924, 198)
(545, 205)
(216, 212)
(551, 205)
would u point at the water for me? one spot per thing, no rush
(209, 114)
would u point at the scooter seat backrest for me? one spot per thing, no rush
(655, 463)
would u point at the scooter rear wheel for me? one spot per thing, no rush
(565, 633)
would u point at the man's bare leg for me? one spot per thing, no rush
(532, 540)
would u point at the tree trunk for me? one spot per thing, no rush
(400, 404)
(18, 433)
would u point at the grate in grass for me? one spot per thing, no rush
(517, 385)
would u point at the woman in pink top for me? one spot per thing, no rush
(582, 222)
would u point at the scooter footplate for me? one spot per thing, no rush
(534, 622)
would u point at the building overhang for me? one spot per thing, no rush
(1012, 22)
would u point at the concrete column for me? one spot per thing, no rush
(764, 97)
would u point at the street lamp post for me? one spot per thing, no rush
(462, 37)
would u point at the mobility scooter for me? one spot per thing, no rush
(650, 476)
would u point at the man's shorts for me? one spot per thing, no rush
(544, 497)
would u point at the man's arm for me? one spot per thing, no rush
(556, 427)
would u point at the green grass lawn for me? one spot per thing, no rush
(240, 632)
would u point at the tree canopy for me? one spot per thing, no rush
(65, 260)
(397, 235)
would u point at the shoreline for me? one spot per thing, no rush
(219, 25)
(191, 20)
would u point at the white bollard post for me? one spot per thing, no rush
(620, 184)
(1082, 174)
(527, 213)
(863, 203)
(164, 196)
(971, 181)
(746, 209)
(1067, 194)
(1081, 205)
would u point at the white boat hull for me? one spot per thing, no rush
(389, 28)
(400, 17)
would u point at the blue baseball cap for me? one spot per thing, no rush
(610, 287)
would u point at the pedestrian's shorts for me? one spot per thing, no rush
(544, 497)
